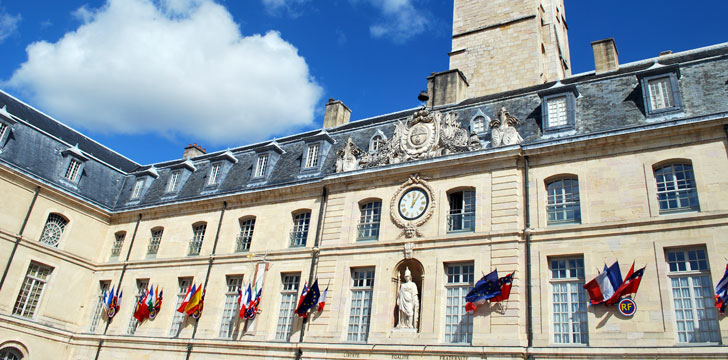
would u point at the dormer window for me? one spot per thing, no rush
(478, 125)
(137, 191)
(72, 170)
(660, 91)
(558, 109)
(312, 155)
(3, 130)
(6, 122)
(376, 143)
(214, 174)
(173, 179)
(261, 168)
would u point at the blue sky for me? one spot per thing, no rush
(147, 77)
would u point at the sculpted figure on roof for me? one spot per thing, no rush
(425, 135)
(503, 129)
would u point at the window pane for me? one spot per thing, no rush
(563, 205)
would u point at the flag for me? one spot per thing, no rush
(309, 301)
(253, 306)
(196, 314)
(486, 288)
(157, 305)
(629, 286)
(194, 302)
(322, 300)
(721, 292)
(505, 284)
(303, 294)
(138, 309)
(602, 287)
(113, 301)
(108, 294)
(244, 302)
(148, 304)
(186, 300)
(241, 305)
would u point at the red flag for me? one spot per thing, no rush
(470, 306)
(629, 286)
(186, 300)
(506, 283)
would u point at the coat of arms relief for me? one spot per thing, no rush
(426, 135)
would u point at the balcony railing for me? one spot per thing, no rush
(368, 231)
(195, 246)
(242, 243)
(298, 238)
(461, 221)
(153, 246)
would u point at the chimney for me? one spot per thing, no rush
(605, 55)
(193, 150)
(336, 114)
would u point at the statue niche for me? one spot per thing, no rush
(408, 276)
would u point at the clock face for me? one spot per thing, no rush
(413, 204)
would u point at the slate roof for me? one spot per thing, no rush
(605, 102)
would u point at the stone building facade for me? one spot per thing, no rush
(552, 179)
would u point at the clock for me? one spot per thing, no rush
(413, 203)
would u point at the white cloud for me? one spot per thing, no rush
(133, 67)
(401, 20)
(8, 24)
(290, 7)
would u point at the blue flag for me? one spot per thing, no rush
(485, 288)
(310, 300)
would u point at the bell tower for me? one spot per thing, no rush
(502, 45)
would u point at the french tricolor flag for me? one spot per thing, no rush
(604, 286)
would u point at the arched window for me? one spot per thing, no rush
(370, 217)
(563, 201)
(461, 216)
(676, 189)
(247, 226)
(376, 143)
(198, 235)
(118, 243)
(10, 353)
(155, 240)
(299, 234)
(53, 230)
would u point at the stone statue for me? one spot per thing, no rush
(503, 131)
(408, 301)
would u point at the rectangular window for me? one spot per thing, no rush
(214, 174)
(569, 301)
(230, 308)
(262, 166)
(72, 170)
(32, 289)
(98, 309)
(137, 191)
(371, 214)
(462, 211)
(312, 155)
(362, 283)
(198, 235)
(557, 111)
(172, 184)
(118, 244)
(155, 241)
(289, 292)
(179, 318)
(692, 294)
(660, 91)
(458, 322)
(246, 235)
(141, 289)
(299, 234)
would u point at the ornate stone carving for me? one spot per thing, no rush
(409, 228)
(408, 247)
(503, 131)
(347, 157)
(425, 135)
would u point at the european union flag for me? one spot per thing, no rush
(486, 288)
(310, 300)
